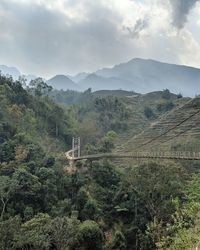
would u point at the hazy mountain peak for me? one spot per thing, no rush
(11, 71)
(78, 77)
(149, 75)
(62, 82)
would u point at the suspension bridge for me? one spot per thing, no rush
(193, 156)
(75, 153)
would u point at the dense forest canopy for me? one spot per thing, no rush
(101, 204)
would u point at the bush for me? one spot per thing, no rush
(148, 112)
(179, 96)
(166, 94)
(165, 106)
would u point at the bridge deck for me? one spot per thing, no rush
(144, 155)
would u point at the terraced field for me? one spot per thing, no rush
(137, 122)
(177, 129)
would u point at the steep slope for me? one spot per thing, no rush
(62, 82)
(179, 130)
(124, 112)
(150, 75)
(32, 119)
(138, 122)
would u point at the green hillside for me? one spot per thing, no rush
(177, 129)
(33, 118)
(144, 111)
(47, 204)
(126, 113)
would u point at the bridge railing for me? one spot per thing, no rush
(145, 154)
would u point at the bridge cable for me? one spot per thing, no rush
(169, 130)
(177, 135)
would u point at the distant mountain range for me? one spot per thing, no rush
(138, 75)
(62, 82)
(10, 71)
(15, 73)
(150, 75)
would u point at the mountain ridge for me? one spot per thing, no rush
(138, 75)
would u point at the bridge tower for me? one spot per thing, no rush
(76, 147)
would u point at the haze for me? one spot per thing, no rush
(48, 37)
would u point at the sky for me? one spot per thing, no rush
(48, 37)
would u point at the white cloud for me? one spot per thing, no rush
(46, 37)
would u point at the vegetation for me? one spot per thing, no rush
(99, 205)
(165, 106)
(166, 94)
(148, 112)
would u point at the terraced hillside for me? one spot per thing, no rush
(178, 129)
(137, 121)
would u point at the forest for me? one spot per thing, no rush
(100, 205)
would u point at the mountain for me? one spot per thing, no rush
(138, 75)
(150, 75)
(15, 73)
(62, 82)
(30, 78)
(79, 77)
(97, 82)
(10, 71)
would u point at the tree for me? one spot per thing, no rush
(156, 185)
(106, 144)
(105, 174)
(166, 94)
(186, 225)
(40, 87)
(179, 96)
(8, 187)
(90, 209)
(148, 112)
(34, 234)
(165, 106)
(90, 236)
(82, 198)
(8, 230)
(119, 242)
(64, 232)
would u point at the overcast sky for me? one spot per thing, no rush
(48, 37)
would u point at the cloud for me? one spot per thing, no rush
(137, 29)
(180, 11)
(47, 37)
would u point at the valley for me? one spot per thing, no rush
(138, 203)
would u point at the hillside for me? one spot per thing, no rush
(178, 129)
(45, 203)
(126, 113)
(28, 120)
